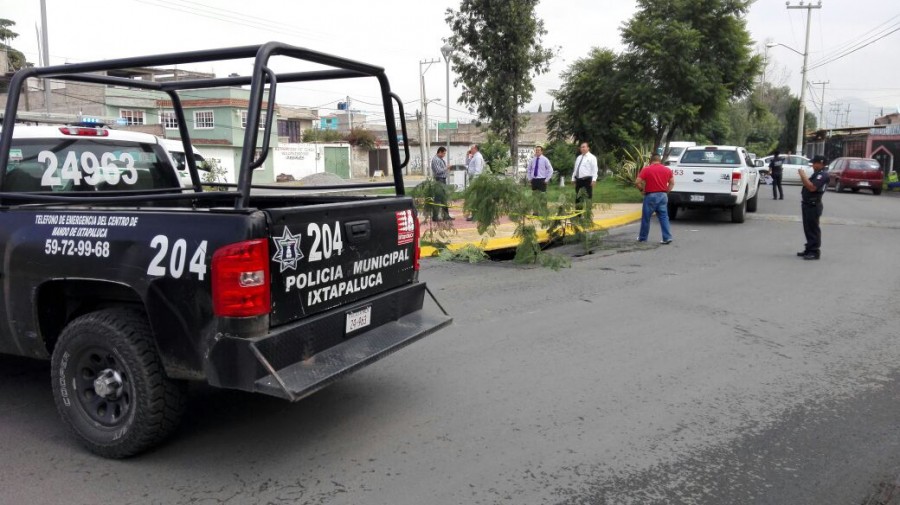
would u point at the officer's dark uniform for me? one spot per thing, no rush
(776, 171)
(811, 207)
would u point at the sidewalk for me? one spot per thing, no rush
(617, 214)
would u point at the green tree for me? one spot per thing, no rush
(788, 140)
(316, 135)
(753, 125)
(496, 153)
(562, 156)
(496, 49)
(688, 58)
(16, 58)
(778, 100)
(360, 137)
(596, 105)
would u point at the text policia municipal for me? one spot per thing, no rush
(336, 273)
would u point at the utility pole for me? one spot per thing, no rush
(822, 104)
(801, 116)
(847, 117)
(349, 131)
(45, 51)
(424, 146)
(836, 109)
(349, 114)
(447, 51)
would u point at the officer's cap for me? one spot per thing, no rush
(818, 159)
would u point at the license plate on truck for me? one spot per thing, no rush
(359, 319)
(697, 198)
(863, 183)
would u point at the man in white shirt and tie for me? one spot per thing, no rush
(585, 173)
(474, 166)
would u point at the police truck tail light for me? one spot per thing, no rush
(83, 131)
(735, 181)
(240, 279)
(418, 248)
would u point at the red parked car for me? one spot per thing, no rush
(855, 174)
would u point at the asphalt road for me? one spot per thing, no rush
(720, 369)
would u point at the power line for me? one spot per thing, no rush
(224, 15)
(896, 28)
(243, 19)
(850, 43)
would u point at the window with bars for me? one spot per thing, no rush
(132, 117)
(855, 148)
(168, 120)
(262, 119)
(204, 119)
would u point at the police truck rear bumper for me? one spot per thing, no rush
(686, 199)
(296, 360)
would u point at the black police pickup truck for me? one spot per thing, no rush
(132, 285)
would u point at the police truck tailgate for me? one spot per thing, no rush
(344, 293)
(327, 256)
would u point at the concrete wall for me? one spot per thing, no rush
(301, 160)
(227, 158)
(75, 99)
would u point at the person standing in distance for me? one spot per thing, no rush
(440, 212)
(474, 162)
(539, 170)
(811, 207)
(474, 166)
(776, 171)
(585, 173)
(655, 181)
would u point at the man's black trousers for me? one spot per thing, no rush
(583, 182)
(811, 212)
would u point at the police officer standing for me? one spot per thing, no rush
(811, 207)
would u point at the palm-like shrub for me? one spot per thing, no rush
(633, 160)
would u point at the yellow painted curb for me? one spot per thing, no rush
(496, 244)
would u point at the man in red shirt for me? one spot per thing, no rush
(655, 181)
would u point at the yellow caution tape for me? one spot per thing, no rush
(555, 218)
(430, 202)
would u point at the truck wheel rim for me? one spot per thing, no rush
(104, 390)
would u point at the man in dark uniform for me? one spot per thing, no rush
(775, 171)
(811, 206)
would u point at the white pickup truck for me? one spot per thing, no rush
(715, 176)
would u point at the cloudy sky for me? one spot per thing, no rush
(853, 43)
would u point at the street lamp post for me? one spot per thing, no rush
(427, 139)
(801, 113)
(424, 148)
(447, 50)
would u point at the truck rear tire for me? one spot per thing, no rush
(673, 211)
(738, 212)
(752, 203)
(109, 385)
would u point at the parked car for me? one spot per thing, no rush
(855, 174)
(676, 149)
(176, 151)
(792, 164)
(762, 167)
